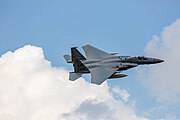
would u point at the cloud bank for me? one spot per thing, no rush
(163, 80)
(31, 89)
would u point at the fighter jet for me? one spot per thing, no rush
(102, 65)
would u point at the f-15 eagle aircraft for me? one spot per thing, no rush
(103, 65)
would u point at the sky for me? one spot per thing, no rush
(34, 35)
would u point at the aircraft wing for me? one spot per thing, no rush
(95, 53)
(100, 74)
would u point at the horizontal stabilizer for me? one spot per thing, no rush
(73, 76)
(67, 58)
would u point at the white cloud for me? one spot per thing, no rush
(119, 93)
(104, 110)
(31, 89)
(163, 79)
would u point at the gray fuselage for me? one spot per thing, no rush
(121, 62)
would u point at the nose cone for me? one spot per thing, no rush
(158, 60)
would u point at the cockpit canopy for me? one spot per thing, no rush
(142, 58)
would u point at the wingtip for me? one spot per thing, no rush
(86, 45)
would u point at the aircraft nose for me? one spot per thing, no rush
(158, 60)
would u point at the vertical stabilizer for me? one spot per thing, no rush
(77, 59)
(76, 54)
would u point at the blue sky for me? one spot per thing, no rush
(123, 26)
